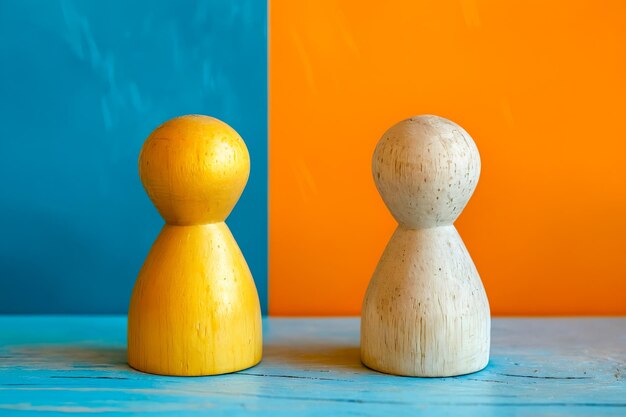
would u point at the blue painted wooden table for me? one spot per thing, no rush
(568, 367)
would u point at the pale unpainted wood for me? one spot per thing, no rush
(426, 169)
(425, 312)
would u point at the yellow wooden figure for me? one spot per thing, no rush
(194, 309)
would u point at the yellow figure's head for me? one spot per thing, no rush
(194, 168)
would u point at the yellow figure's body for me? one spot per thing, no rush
(194, 309)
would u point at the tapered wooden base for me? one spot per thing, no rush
(194, 309)
(425, 312)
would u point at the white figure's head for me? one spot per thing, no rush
(426, 169)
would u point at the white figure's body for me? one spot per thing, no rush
(425, 312)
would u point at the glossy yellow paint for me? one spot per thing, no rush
(194, 309)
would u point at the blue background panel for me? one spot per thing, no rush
(82, 84)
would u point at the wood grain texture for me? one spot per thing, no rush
(556, 367)
(194, 309)
(425, 312)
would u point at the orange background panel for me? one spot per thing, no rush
(540, 86)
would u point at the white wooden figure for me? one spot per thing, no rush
(425, 312)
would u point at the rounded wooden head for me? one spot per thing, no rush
(426, 169)
(194, 168)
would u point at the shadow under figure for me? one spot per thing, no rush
(315, 357)
(330, 356)
(63, 357)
